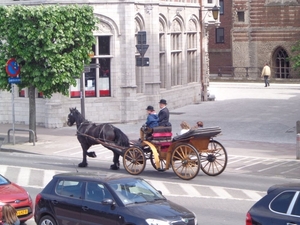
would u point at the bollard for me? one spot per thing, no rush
(298, 147)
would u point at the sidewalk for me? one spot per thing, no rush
(253, 119)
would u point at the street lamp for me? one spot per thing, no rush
(215, 11)
(205, 22)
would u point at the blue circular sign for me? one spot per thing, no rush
(12, 68)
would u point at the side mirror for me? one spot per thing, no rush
(108, 201)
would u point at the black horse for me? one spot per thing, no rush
(88, 133)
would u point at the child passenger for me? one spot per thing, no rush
(184, 127)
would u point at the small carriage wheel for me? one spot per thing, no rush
(134, 160)
(185, 161)
(162, 163)
(214, 160)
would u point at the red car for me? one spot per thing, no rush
(16, 196)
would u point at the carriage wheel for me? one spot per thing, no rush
(214, 161)
(185, 161)
(162, 163)
(134, 160)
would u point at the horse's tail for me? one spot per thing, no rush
(121, 139)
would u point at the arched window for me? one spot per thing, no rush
(162, 53)
(282, 64)
(176, 54)
(192, 52)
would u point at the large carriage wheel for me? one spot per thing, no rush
(185, 161)
(134, 160)
(214, 161)
(162, 163)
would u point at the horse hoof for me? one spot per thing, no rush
(82, 165)
(114, 167)
(91, 154)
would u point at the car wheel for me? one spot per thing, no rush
(47, 220)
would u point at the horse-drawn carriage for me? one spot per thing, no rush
(186, 153)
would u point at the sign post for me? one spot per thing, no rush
(13, 71)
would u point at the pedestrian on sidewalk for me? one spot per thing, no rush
(266, 73)
(9, 214)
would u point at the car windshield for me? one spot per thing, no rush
(3, 181)
(135, 191)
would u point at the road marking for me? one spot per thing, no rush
(253, 195)
(64, 150)
(159, 186)
(252, 164)
(189, 190)
(221, 192)
(271, 167)
(238, 160)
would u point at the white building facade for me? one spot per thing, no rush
(116, 89)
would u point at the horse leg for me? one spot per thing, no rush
(116, 161)
(84, 153)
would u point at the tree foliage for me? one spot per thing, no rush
(296, 58)
(50, 43)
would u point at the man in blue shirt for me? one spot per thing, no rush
(152, 119)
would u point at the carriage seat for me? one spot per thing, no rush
(199, 133)
(161, 135)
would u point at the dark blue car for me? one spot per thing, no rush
(89, 199)
(281, 206)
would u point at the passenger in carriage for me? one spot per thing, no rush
(163, 115)
(199, 124)
(184, 127)
(152, 119)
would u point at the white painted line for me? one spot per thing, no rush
(252, 195)
(230, 162)
(3, 170)
(48, 174)
(160, 186)
(76, 153)
(221, 192)
(268, 168)
(190, 190)
(252, 164)
(23, 176)
(64, 150)
(294, 168)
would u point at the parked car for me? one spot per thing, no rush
(281, 206)
(18, 197)
(81, 198)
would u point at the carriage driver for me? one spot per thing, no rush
(163, 115)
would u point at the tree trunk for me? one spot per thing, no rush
(32, 113)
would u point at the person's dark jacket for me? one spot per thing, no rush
(152, 120)
(163, 117)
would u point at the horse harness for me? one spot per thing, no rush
(88, 137)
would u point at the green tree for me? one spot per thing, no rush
(51, 44)
(296, 58)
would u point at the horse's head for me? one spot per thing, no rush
(72, 116)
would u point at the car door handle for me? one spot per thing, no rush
(291, 223)
(54, 202)
(85, 208)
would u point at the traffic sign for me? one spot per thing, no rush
(12, 68)
(14, 80)
(142, 49)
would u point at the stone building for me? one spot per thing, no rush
(253, 33)
(116, 89)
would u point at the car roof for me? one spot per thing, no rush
(94, 176)
(284, 187)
